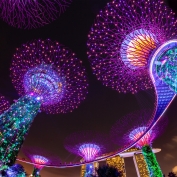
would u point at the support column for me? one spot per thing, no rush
(83, 170)
(140, 165)
(88, 169)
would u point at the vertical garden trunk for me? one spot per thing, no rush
(36, 172)
(14, 125)
(89, 170)
(151, 161)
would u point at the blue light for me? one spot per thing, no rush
(164, 94)
(89, 169)
(44, 83)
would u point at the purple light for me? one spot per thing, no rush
(40, 160)
(4, 104)
(40, 157)
(51, 73)
(131, 127)
(88, 145)
(31, 13)
(145, 140)
(43, 80)
(89, 151)
(123, 38)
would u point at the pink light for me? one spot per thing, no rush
(89, 151)
(39, 160)
(138, 132)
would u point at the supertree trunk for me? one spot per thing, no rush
(150, 158)
(36, 172)
(89, 170)
(15, 123)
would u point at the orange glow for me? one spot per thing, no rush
(139, 48)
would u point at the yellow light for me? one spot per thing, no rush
(139, 48)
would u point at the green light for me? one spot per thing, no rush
(152, 164)
(15, 123)
(166, 68)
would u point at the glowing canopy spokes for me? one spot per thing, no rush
(137, 47)
(44, 83)
(40, 160)
(40, 157)
(89, 151)
(145, 140)
(131, 127)
(87, 144)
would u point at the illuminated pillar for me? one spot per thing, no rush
(88, 169)
(96, 165)
(83, 169)
(140, 165)
(117, 162)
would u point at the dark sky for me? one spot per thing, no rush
(103, 105)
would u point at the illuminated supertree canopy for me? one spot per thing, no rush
(49, 78)
(145, 140)
(40, 158)
(123, 38)
(88, 144)
(31, 14)
(121, 130)
(51, 73)
(131, 128)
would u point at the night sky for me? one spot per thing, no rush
(102, 107)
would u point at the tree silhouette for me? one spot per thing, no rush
(108, 171)
(171, 174)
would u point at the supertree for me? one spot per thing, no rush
(31, 13)
(88, 145)
(49, 78)
(131, 127)
(40, 158)
(123, 39)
